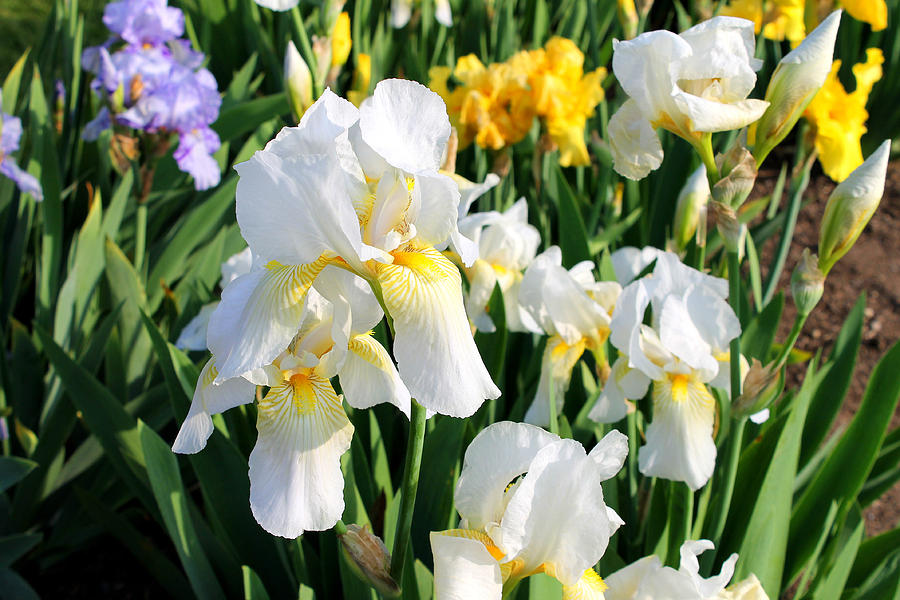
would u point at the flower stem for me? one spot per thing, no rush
(734, 298)
(409, 487)
(140, 236)
(704, 149)
(799, 321)
(554, 421)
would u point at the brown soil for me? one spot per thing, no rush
(870, 266)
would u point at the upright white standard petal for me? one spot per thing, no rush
(433, 344)
(636, 148)
(556, 516)
(401, 10)
(464, 569)
(498, 455)
(296, 483)
(407, 124)
(534, 503)
(443, 13)
(628, 262)
(209, 399)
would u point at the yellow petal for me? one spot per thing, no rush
(590, 587)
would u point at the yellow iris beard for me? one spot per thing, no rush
(679, 388)
(287, 285)
(417, 275)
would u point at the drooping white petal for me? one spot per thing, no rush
(464, 569)
(209, 399)
(636, 148)
(296, 483)
(482, 279)
(557, 362)
(259, 314)
(469, 191)
(433, 344)
(368, 376)
(711, 115)
(624, 383)
(438, 214)
(407, 124)
(498, 454)
(556, 517)
(690, 566)
(679, 445)
(279, 5)
(747, 589)
(193, 336)
(680, 336)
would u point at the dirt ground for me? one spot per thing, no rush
(872, 266)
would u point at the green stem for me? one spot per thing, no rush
(799, 321)
(554, 421)
(704, 149)
(340, 528)
(409, 487)
(785, 242)
(509, 587)
(140, 236)
(681, 508)
(734, 298)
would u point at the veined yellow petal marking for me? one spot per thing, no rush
(368, 349)
(680, 388)
(480, 536)
(308, 396)
(288, 284)
(416, 271)
(210, 375)
(410, 184)
(590, 587)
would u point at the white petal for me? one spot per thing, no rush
(259, 314)
(760, 417)
(557, 516)
(679, 445)
(557, 363)
(407, 124)
(748, 589)
(690, 566)
(497, 455)
(443, 13)
(713, 317)
(469, 191)
(368, 376)
(433, 344)
(589, 587)
(281, 212)
(209, 399)
(610, 453)
(193, 336)
(482, 279)
(628, 262)
(437, 215)
(636, 148)
(400, 12)
(464, 569)
(296, 483)
(236, 265)
(625, 583)
(623, 383)
(279, 5)
(680, 336)
(711, 116)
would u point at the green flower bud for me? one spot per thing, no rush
(850, 206)
(731, 229)
(738, 170)
(690, 209)
(369, 559)
(795, 82)
(762, 386)
(807, 283)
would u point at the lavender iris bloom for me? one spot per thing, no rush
(156, 84)
(10, 132)
(144, 21)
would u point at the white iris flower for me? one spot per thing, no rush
(692, 84)
(574, 310)
(530, 503)
(296, 483)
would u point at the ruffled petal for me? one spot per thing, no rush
(368, 376)
(434, 348)
(464, 569)
(296, 483)
(497, 455)
(556, 370)
(636, 148)
(209, 399)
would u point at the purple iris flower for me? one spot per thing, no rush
(156, 83)
(143, 22)
(10, 132)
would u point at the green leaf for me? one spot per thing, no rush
(12, 547)
(13, 469)
(845, 545)
(165, 479)
(756, 341)
(14, 586)
(247, 116)
(844, 472)
(105, 417)
(829, 397)
(492, 346)
(142, 548)
(126, 288)
(765, 542)
(885, 472)
(872, 553)
(253, 585)
(573, 239)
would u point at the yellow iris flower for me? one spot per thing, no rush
(495, 105)
(873, 12)
(839, 117)
(777, 20)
